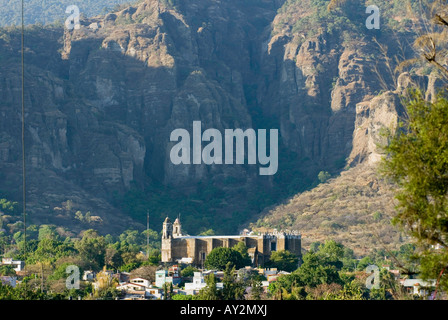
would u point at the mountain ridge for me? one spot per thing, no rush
(101, 108)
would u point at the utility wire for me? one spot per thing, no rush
(23, 134)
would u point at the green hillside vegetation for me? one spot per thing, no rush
(354, 209)
(224, 207)
(329, 269)
(50, 249)
(329, 272)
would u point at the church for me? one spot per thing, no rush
(177, 248)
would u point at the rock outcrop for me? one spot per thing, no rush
(102, 100)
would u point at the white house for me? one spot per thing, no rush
(198, 283)
(185, 260)
(140, 289)
(88, 275)
(141, 281)
(162, 277)
(133, 291)
(154, 293)
(419, 286)
(17, 264)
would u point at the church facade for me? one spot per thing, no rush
(194, 249)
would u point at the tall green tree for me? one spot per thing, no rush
(256, 289)
(8, 207)
(323, 176)
(167, 291)
(7, 270)
(243, 250)
(92, 249)
(21, 292)
(417, 161)
(188, 271)
(332, 253)
(317, 270)
(284, 260)
(47, 232)
(210, 292)
(288, 287)
(219, 257)
(233, 289)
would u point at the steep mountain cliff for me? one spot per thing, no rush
(356, 207)
(102, 100)
(365, 99)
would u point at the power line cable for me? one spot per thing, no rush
(23, 133)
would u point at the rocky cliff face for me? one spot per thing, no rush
(102, 101)
(318, 85)
(355, 208)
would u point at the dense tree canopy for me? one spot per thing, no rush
(219, 257)
(418, 163)
(284, 260)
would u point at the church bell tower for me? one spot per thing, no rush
(167, 237)
(167, 230)
(177, 228)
